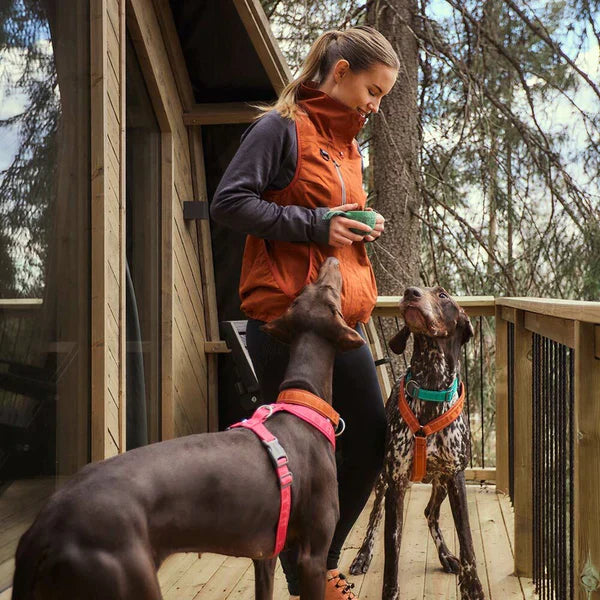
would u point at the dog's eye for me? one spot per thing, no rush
(443, 295)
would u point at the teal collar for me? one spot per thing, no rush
(414, 390)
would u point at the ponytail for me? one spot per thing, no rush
(361, 46)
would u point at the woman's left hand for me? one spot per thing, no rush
(377, 230)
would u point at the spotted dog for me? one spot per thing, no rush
(440, 328)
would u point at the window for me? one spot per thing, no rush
(143, 241)
(44, 253)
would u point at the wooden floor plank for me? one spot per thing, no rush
(372, 583)
(195, 578)
(224, 580)
(498, 556)
(244, 589)
(7, 569)
(486, 494)
(212, 577)
(174, 568)
(369, 585)
(353, 544)
(440, 585)
(508, 515)
(413, 552)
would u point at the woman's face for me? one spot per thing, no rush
(362, 91)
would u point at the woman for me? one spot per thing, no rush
(296, 162)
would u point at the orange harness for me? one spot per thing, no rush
(421, 432)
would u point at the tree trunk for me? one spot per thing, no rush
(394, 153)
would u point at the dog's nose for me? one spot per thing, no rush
(412, 293)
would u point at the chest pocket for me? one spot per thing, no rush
(330, 177)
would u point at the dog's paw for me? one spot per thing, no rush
(471, 589)
(360, 564)
(450, 563)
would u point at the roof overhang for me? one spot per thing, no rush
(225, 58)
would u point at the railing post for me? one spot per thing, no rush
(501, 402)
(586, 465)
(523, 492)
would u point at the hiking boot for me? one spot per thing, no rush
(338, 588)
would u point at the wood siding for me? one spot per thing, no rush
(108, 225)
(185, 369)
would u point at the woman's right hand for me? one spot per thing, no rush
(339, 228)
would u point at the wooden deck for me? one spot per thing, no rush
(215, 577)
(212, 577)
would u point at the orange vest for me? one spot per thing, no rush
(328, 168)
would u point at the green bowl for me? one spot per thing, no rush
(369, 217)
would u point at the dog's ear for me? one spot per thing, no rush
(467, 327)
(280, 329)
(398, 343)
(349, 339)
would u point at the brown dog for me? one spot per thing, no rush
(439, 328)
(105, 533)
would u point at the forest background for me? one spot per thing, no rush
(483, 159)
(489, 141)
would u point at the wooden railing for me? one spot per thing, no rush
(538, 343)
(524, 377)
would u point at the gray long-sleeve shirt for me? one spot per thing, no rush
(266, 160)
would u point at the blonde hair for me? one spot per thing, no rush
(361, 46)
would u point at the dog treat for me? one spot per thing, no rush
(368, 217)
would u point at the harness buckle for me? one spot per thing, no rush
(411, 385)
(276, 452)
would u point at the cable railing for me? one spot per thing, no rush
(552, 458)
(548, 440)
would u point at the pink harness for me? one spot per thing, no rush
(279, 457)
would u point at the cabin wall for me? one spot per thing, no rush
(107, 269)
(184, 372)
(185, 406)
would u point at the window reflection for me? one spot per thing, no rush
(44, 254)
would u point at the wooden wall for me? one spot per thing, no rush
(188, 376)
(107, 35)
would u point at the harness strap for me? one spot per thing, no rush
(284, 475)
(421, 432)
(279, 457)
(304, 398)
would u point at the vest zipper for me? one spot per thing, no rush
(339, 172)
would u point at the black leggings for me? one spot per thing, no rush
(359, 454)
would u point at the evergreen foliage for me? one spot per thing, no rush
(510, 139)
